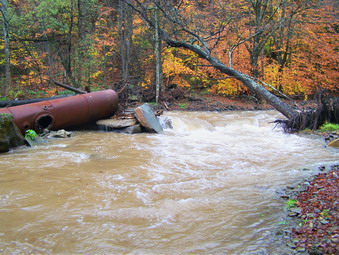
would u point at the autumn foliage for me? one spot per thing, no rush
(290, 45)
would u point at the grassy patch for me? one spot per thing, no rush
(329, 127)
(31, 134)
(182, 105)
(291, 203)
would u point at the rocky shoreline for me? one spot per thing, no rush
(312, 216)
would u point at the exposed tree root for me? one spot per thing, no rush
(327, 111)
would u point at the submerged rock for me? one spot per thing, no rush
(135, 129)
(10, 135)
(116, 123)
(334, 143)
(147, 118)
(166, 122)
(62, 133)
(128, 126)
(34, 142)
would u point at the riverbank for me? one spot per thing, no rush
(210, 102)
(312, 224)
(218, 103)
(207, 102)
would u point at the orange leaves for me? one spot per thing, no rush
(316, 63)
(50, 91)
(176, 69)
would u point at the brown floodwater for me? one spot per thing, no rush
(207, 186)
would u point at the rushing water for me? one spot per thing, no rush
(208, 186)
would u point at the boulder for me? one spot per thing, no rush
(166, 122)
(116, 123)
(334, 143)
(4, 145)
(147, 118)
(62, 133)
(133, 129)
(10, 135)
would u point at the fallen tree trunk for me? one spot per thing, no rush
(9, 103)
(65, 86)
(205, 53)
(191, 40)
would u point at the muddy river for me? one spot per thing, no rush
(208, 186)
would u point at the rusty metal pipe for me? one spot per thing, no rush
(64, 112)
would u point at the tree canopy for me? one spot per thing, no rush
(288, 47)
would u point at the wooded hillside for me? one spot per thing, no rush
(289, 47)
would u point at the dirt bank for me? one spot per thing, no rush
(217, 103)
(207, 102)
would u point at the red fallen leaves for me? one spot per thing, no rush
(318, 230)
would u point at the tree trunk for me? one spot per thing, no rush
(126, 32)
(157, 49)
(82, 37)
(64, 49)
(87, 16)
(7, 47)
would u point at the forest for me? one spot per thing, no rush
(289, 47)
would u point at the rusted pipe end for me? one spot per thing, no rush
(64, 112)
(42, 122)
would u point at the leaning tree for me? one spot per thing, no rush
(201, 30)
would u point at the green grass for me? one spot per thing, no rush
(66, 93)
(329, 127)
(291, 203)
(182, 105)
(31, 134)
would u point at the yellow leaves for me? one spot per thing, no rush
(228, 87)
(147, 81)
(138, 28)
(96, 74)
(272, 74)
(176, 68)
(94, 53)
